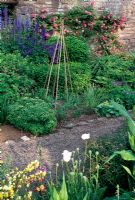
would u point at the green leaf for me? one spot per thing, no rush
(128, 171)
(86, 197)
(131, 126)
(126, 155)
(63, 192)
(54, 195)
(121, 109)
(132, 141)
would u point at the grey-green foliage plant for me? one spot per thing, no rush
(33, 115)
(127, 155)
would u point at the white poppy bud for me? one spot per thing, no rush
(85, 136)
(67, 155)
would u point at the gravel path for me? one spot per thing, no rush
(68, 136)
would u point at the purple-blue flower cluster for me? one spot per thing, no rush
(27, 37)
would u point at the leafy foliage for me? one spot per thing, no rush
(33, 115)
(14, 81)
(111, 173)
(107, 110)
(127, 155)
(92, 98)
(77, 48)
(114, 73)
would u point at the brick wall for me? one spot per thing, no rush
(126, 8)
(117, 7)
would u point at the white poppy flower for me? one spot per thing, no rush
(67, 155)
(85, 136)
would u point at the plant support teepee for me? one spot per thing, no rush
(61, 54)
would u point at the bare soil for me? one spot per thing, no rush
(50, 147)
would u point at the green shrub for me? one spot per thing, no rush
(107, 110)
(14, 61)
(77, 48)
(69, 108)
(92, 98)
(3, 108)
(113, 69)
(33, 115)
(38, 73)
(80, 76)
(14, 81)
(123, 94)
(124, 196)
(111, 173)
(115, 74)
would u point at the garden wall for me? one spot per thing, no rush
(118, 7)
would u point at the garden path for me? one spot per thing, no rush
(67, 136)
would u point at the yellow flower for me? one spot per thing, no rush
(5, 187)
(37, 189)
(29, 194)
(1, 196)
(42, 187)
(28, 185)
(5, 195)
(1, 162)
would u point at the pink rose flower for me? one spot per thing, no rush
(55, 25)
(33, 15)
(88, 13)
(52, 19)
(44, 10)
(42, 16)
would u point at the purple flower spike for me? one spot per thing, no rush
(5, 12)
(43, 33)
(27, 24)
(37, 27)
(0, 19)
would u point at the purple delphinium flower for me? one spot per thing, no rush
(51, 32)
(37, 27)
(43, 33)
(20, 46)
(33, 41)
(17, 25)
(5, 13)
(27, 24)
(51, 50)
(0, 19)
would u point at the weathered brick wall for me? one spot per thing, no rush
(127, 9)
(29, 6)
(118, 7)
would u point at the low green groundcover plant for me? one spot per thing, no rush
(33, 115)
